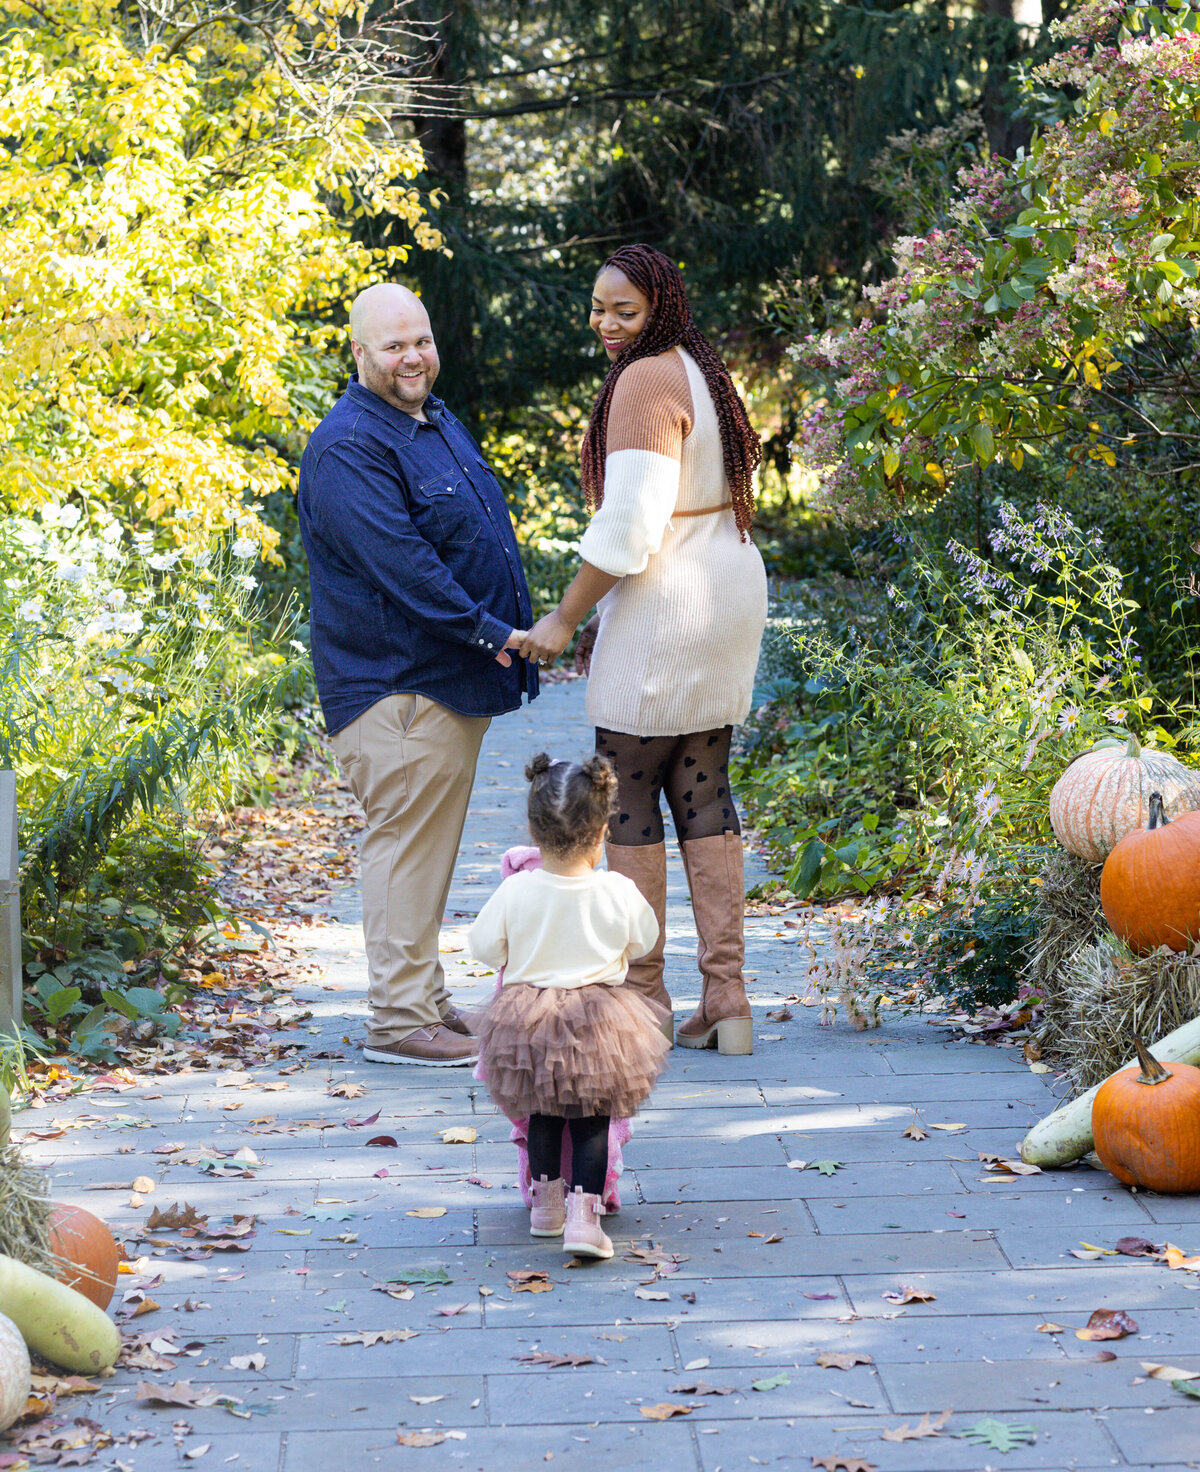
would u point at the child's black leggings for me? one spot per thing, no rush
(589, 1150)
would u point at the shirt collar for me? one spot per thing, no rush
(397, 418)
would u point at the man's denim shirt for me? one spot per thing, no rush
(415, 575)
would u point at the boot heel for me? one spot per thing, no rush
(735, 1035)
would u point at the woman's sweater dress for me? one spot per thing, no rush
(679, 635)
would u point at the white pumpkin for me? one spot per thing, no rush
(1105, 794)
(14, 1373)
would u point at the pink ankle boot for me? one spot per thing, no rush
(584, 1235)
(548, 1214)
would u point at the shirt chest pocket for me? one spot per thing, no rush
(450, 510)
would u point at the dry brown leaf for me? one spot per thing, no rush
(844, 1464)
(947, 1126)
(924, 1427)
(556, 1361)
(653, 1295)
(459, 1135)
(907, 1294)
(346, 1090)
(701, 1387)
(780, 1014)
(420, 1438)
(1107, 1323)
(142, 1184)
(1168, 1372)
(426, 1212)
(1174, 1257)
(834, 1359)
(1051, 1328)
(182, 1393)
(525, 1280)
(173, 1217)
(1014, 1167)
(247, 1361)
(665, 1409)
(914, 1131)
(1136, 1247)
(376, 1336)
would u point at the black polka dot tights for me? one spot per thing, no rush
(692, 770)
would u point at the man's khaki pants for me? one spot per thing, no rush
(411, 764)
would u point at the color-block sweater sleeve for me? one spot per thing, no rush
(648, 420)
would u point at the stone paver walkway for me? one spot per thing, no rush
(776, 1264)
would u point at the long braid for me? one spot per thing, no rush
(670, 325)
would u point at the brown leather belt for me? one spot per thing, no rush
(704, 510)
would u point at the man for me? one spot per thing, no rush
(417, 594)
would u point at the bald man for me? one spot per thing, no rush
(417, 596)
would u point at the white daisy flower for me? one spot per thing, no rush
(245, 547)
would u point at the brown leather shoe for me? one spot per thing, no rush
(464, 1023)
(432, 1047)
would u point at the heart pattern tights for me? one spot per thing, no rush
(693, 772)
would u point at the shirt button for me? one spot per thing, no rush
(491, 646)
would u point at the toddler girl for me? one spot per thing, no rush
(563, 1039)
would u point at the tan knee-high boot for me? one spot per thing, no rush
(646, 865)
(717, 879)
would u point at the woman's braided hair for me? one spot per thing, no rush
(670, 325)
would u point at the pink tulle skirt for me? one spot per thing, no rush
(570, 1051)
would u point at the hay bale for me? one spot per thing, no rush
(1108, 996)
(1066, 918)
(25, 1212)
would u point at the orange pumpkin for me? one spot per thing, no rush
(1146, 1124)
(85, 1243)
(1150, 885)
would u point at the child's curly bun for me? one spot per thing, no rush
(540, 765)
(598, 770)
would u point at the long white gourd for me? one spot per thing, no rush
(57, 1323)
(1066, 1134)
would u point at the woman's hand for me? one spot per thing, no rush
(587, 642)
(547, 639)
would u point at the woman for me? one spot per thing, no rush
(668, 466)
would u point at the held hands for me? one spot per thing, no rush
(547, 639)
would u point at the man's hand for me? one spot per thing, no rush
(587, 642)
(514, 641)
(547, 639)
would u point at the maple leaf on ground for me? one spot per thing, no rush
(826, 1167)
(926, 1426)
(665, 1409)
(1107, 1323)
(346, 1090)
(182, 1393)
(173, 1217)
(526, 1280)
(914, 1131)
(836, 1359)
(999, 1436)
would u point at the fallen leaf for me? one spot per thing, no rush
(527, 1281)
(386, 1141)
(914, 1131)
(826, 1167)
(1175, 1258)
(426, 1212)
(1102, 1355)
(459, 1135)
(420, 1438)
(1013, 1166)
(1169, 1372)
(346, 1090)
(844, 1464)
(182, 1393)
(1136, 1247)
(1051, 1328)
(425, 1400)
(947, 1126)
(555, 1361)
(1032, 1052)
(1107, 1323)
(665, 1409)
(653, 1295)
(701, 1387)
(173, 1217)
(196, 1451)
(780, 1014)
(835, 1359)
(452, 1310)
(1185, 1388)
(142, 1184)
(351, 1124)
(375, 1336)
(331, 1213)
(248, 1361)
(821, 1295)
(924, 1427)
(1039, 1068)
(701, 1364)
(773, 1383)
(999, 1436)
(907, 1294)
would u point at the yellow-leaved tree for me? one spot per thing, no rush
(176, 184)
